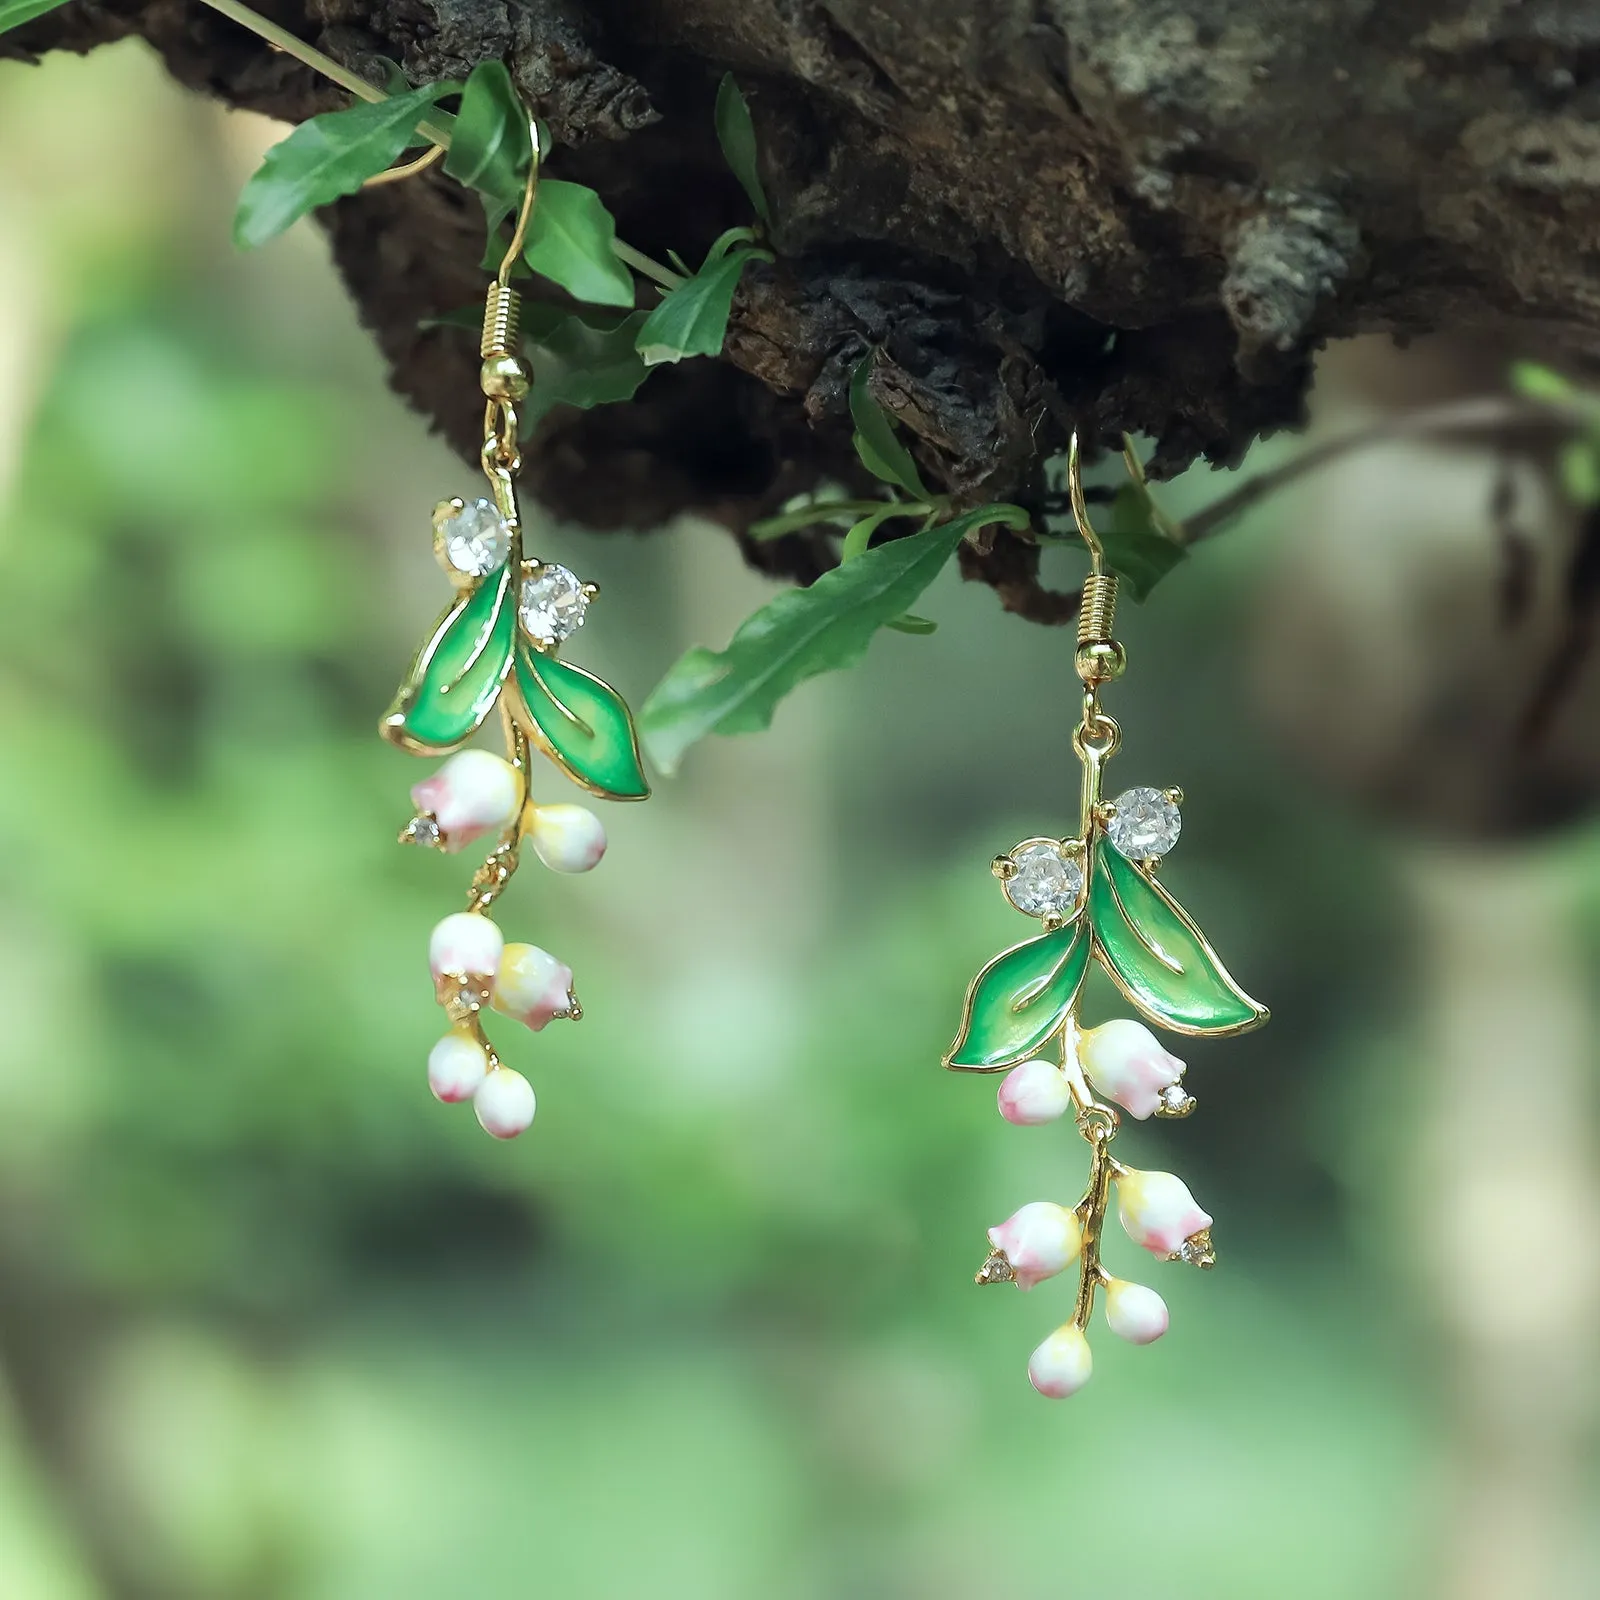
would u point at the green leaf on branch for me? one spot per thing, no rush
(1538, 382)
(737, 136)
(579, 359)
(490, 149)
(798, 635)
(693, 319)
(1580, 471)
(13, 13)
(326, 157)
(1143, 544)
(876, 442)
(569, 241)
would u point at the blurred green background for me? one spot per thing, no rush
(272, 1323)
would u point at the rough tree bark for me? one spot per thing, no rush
(1109, 214)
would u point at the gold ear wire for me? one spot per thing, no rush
(1100, 657)
(409, 170)
(530, 190)
(1080, 510)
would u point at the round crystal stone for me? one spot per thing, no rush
(476, 539)
(1047, 881)
(1144, 823)
(553, 604)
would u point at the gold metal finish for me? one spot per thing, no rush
(433, 155)
(1099, 660)
(1097, 615)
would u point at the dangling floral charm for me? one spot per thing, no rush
(496, 646)
(1097, 898)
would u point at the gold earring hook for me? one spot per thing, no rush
(1080, 509)
(530, 190)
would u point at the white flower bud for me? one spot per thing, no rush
(1062, 1364)
(1034, 1092)
(565, 838)
(467, 944)
(456, 1066)
(1134, 1312)
(1157, 1210)
(1039, 1241)
(533, 986)
(504, 1103)
(472, 794)
(1126, 1063)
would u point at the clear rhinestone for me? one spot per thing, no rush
(476, 540)
(1046, 882)
(1144, 823)
(996, 1269)
(1176, 1101)
(1196, 1251)
(553, 604)
(422, 830)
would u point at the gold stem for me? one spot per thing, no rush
(475, 1027)
(1092, 1213)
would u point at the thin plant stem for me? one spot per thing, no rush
(651, 268)
(312, 57)
(1462, 416)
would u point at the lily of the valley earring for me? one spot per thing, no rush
(496, 646)
(1098, 898)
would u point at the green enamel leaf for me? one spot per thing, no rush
(490, 147)
(737, 136)
(1158, 957)
(582, 724)
(799, 634)
(326, 157)
(1019, 1000)
(876, 442)
(13, 13)
(693, 319)
(456, 678)
(570, 236)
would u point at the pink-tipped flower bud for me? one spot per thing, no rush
(1125, 1062)
(565, 838)
(1158, 1211)
(533, 986)
(457, 1065)
(1033, 1093)
(472, 794)
(466, 945)
(1134, 1312)
(1039, 1241)
(1062, 1364)
(504, 1103)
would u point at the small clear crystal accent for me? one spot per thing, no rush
(422, 830)
(477, 539)
(553, 604)
(1176, 1101)
(996, 1269)
(1196, 1251)
(1047, 881)
(1144, 823)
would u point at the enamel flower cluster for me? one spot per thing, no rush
(473, 795)
(1124, 1062)
(1099, 902)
